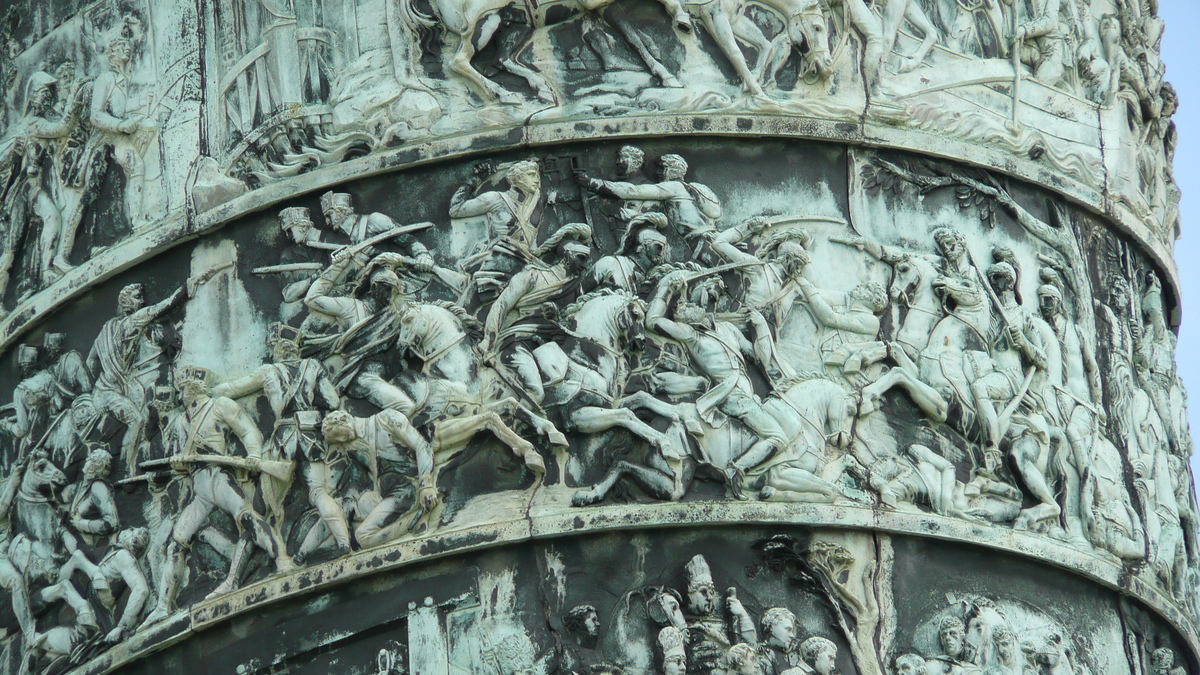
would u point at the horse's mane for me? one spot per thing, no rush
(471, 325)
(577, 306)
(801, 378)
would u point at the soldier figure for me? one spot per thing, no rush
(719, 351)
(383, 437)
(114, 358)
(66, 367)
(296, 389)
(205, 422)
(35, 399)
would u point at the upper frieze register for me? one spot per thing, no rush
(171, 110)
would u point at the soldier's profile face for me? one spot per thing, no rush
(653, 246)
(783, 634)
(675, 665)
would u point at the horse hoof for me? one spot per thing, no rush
(584, 498)
(766, 493)
(155, 616)
(534, 462)
(224, 588)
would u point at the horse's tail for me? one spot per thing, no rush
(414, 18)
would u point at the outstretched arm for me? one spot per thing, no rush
(242, 386)
(651, 192)
(862, 323)
(878, 251)
(147, 315)
(725, 243)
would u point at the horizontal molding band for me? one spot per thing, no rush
(545, 514)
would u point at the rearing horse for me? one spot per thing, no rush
(954, 356)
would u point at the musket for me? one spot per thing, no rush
(274, 469)
(290, 267)
(323, 245)
(151, 477)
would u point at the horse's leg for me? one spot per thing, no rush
(920, 20)
(749, 32)
(593, 420)
(679, 15)
(598, 492)
(617, 20)
(522, 448)
(658, 483)
(647, 401)
(508, 61)
(460, 64)
(926, 397)
(777, 55)
(719, 22)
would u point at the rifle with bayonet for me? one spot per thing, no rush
(273, 468)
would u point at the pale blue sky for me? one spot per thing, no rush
(1182, 56)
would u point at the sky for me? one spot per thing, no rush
(1182, 57)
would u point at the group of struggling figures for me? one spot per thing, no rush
(691, 349)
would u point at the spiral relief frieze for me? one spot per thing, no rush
(420, 336)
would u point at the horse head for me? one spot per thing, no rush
(962, 296)
(42, 478)
(906, 279)
(808, 30)
(609, 317)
